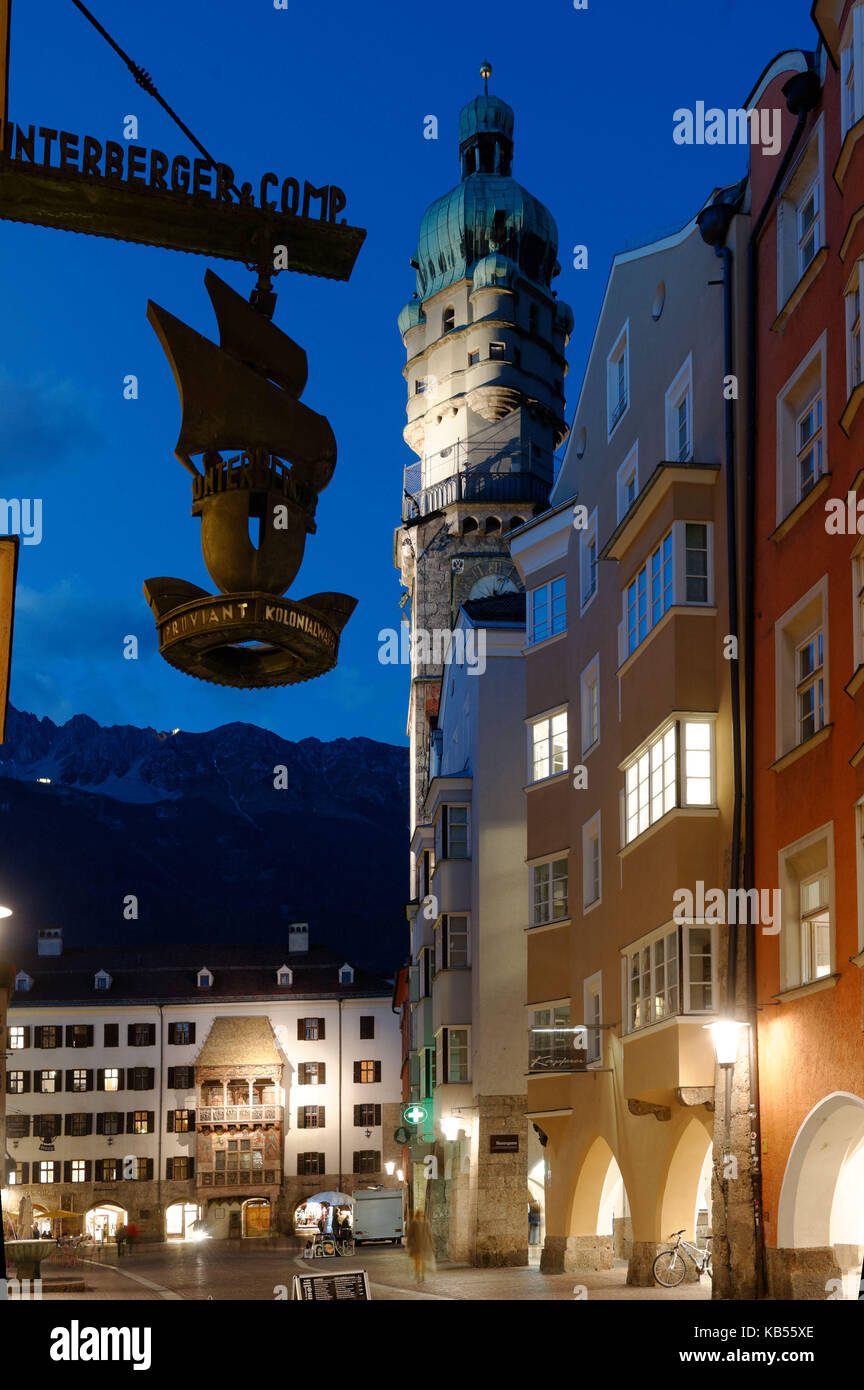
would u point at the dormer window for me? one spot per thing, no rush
(205, 978)
(285, 976)
(346, 974)
(23, 981)
(102, 980)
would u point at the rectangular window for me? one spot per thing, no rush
(79, 1035)
(16, 1038)
(310, 1029)
(591, 879)
(549, 746)
(809, 226)
(650, 593)
(679, 416)
(551, 1040)
(593, 1018)
(181, 1121)
(79, 1170)
(853, 330)
(367, 1025)
(368, 1072)
(454, 821)
(141, 1034)
(79, 1080)
(367, 1161)
(143, 1169)
(111, 1079)
(48, 1035)
(457, 1054)
(18, 1126)
(589, 703)
(312, 1073)
(696, 562)
(456, 929)
(497, 349)
(548, 611)
(310, 1116)
(140, 1122)
(310, 1165)
(810, 687)
(815, 928)
(473, 357)
(652, 785)
(141, 1078)
(111, 1123)
(809, 447)
(549, 885)
(110, 1170)
(48, 1082)
(181, 1034)
(181, 1168)
(627, 482)
(588, 560)
(367, 1116)
(46, 1171)
(15, 1083)
(652, 981)
(78, 1124)
(617, 381)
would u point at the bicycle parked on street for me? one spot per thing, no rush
(670, 1266)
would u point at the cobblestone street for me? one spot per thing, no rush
(251, 1271)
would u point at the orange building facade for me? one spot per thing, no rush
(806, 592)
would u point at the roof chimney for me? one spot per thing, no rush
(49, 941)
(298, 937)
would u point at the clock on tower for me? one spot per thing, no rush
(481, 576)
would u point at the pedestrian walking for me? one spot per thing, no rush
(419, 1245)
(131, 1236)
(121, 1239)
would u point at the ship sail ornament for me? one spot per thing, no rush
(265, 457)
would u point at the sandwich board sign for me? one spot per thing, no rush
(348, 1286)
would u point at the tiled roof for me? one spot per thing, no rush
(168, 973)
(236, 1040)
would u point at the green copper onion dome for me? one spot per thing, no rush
(494, 270)
(488, 212)
(410, 315)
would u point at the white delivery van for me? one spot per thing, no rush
(378, 1214)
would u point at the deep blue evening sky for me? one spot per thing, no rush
(333, 93)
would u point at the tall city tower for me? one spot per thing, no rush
(485, 336)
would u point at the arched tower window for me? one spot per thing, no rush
(448, 320)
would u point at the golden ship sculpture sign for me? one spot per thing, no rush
(245, 395)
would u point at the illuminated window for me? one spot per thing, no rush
(653, 782)
(548, 746)
(815, 928)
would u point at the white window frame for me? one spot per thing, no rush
(592, 864)
(444, 818)
(556, 740)
(16, 1037)
(807, 382)
(589, 705)
(547, 597)
(853, 302)
(449, 1029)
(807, 177)
(852, 70)
(46, 1170)
(628, 472)
(618, 402)
(588, 539)
(681, 990)
(592, 999)
(798, 863)
(544, 876)
(791, 630)
(818, 915)
(813, 446)
(810, 680)
(662, 771)
(680, 389)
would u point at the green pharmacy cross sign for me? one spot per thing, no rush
(415, 1113)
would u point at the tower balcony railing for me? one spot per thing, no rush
(477, 473)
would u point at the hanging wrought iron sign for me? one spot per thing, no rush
(244, 395)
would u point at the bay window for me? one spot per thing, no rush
(548, 745)
(674, 769)
(671, 972)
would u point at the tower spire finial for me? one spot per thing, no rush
(486, 73)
